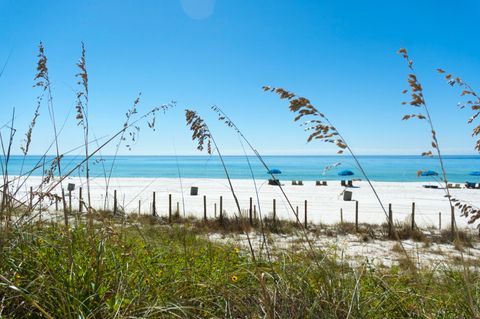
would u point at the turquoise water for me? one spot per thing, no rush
(379, 168)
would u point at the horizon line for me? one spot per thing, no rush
(250, 155)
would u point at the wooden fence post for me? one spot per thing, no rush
(453, 221)
(356, 216)
(250, 212)
(80, 199)
(178, 209)
(221, 210)
(297, 216)
(154, 207)
(204, 207)
(439, 220)
(64, 201)
(274, 210)
(56, 203)
(65, 216)
(169, 208)
(413, 215)
(139, 207)
(70, 201)
(115, 202)
(255, 212)
(341, 216)
(390, 220)
(306, 222)
(215, 210)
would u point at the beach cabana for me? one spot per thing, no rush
(274, 181)
(428, 173)
(346, 172)
(470, 184)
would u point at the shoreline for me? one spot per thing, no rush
(306, 168)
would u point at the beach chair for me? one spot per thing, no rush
(318, 183)
(350, 183)
(342, 183)
(294, 182)
(300, 183)
(324, 183)
(450, 185)
(457, 186)
(469, 185)
(274, 182)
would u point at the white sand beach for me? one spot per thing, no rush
(324, 203)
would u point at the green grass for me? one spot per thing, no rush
(143, 269)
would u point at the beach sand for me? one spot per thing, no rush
(323, 202)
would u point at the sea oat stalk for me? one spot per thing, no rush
(202, 134)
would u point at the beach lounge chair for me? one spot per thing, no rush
(469, 185)
(300, 183)
(457, 186)
(450, 185)
(294, 182)
(350, 183)
(342, 183)
(324, 183)
(318, 183)
(274, 182)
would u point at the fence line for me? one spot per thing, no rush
(351, 211)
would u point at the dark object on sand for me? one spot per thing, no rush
(347, 195)
(194, 191)
(274, 182)
(470, 185)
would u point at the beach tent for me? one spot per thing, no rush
(345, 172)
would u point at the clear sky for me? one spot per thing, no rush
(340, 54)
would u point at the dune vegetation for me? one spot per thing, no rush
(106, 264)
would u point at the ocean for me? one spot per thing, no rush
(378, 168)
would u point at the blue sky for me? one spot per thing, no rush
(340, 54)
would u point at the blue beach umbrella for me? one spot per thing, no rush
(345, 172)
(474, 174)
(274, 171)
(428, 173)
